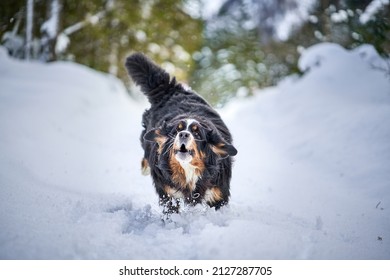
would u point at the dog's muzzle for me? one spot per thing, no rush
(184, 146)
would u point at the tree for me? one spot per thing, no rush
(12, 24)
(101, 33)
(49, 30)
(242, 50)
(248, 44)
(29, 27)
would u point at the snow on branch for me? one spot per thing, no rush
(50, 27)
(373, 8)
(63, 38)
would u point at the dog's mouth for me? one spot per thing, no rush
(183, 150)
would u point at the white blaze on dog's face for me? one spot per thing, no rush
(184, 144)
(186, 154)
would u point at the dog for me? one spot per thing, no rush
(187, 147)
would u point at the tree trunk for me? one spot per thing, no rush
(50, 30)
(29, 28)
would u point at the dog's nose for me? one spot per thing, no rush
(184, 135)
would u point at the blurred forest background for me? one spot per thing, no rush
(221, 48)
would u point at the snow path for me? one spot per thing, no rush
(311, 180)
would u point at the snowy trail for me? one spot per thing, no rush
(311, 180)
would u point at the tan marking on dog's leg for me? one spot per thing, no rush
(213, 195)
(171, 192)
(145, 167)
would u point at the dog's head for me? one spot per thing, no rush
(189, 147)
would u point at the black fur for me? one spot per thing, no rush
(171, 106)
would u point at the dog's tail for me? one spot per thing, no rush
(153, 80)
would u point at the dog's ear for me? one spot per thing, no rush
(151, 135)
(219, 146)
(224, 150)
(156, 134)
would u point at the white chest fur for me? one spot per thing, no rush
(190, 173)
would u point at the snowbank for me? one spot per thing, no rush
(311, 180)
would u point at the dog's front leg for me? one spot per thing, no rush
(169, 206)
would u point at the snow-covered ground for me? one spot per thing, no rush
(311, 179)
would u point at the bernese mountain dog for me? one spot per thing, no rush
(187, 146)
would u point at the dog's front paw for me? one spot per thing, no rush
(169, 206)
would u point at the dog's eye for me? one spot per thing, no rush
(195, 131)
(179, 127)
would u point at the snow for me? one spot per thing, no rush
(339, 16)
(62, 43)
(203, 8)
(294, 18)
(373, 8)
(50, 27)
(310, 181)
